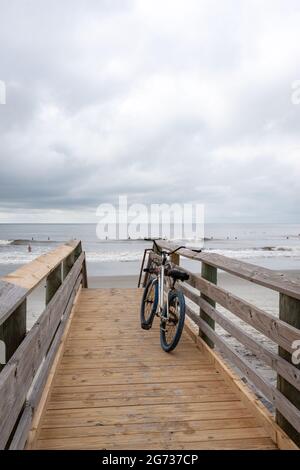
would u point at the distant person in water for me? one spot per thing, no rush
(29, 249)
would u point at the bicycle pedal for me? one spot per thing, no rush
(144, 326)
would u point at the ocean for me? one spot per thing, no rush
(275, 246)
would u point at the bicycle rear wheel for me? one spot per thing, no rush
(171, 328)
(149, 304)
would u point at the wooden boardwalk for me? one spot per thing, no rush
(114, 388)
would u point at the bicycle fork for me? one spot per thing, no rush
(161, 282)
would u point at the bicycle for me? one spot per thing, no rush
(172, 311)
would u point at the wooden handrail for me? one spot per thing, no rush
(30, 357)
(31, 274)
(280, 282)
(16, 286)
(204, 294)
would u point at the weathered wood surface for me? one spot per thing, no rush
(37, 388)
(287, 409)
(274, 328)
(18, 374)
(54, 280)
(279, 331)
(33, 399)
(19, 439)
(11, 296)
(13, 330)
(289, 311)
(67, 265)
(282, 366)
(285, 331)
(31, 274)
(116, 389)
(210, 274)
(275, 280)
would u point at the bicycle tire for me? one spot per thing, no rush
(166, 346)
(146, 322)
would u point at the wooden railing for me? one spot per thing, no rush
(29, 356)
(204, 294)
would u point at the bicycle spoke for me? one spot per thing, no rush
(172, 322)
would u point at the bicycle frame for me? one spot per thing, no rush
(161, 297)
(161, 282)
(161, 279)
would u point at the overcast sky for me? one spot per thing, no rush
(163, 100)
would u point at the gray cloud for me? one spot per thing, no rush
(166, 101)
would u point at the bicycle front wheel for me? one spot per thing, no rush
(172, 322)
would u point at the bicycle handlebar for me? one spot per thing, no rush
(171, 252)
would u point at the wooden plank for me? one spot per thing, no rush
(279, 331)
(13, 330)
(131, 430)
(11, 296)
(39, 383)
(274, 280)
(40, 396)
(110, 416)
(210, 274)
(82, 402)
(243, 391)
(289, 311)
(31, 274)
(137, 403)
(167, 438)
(17, 376)
(287, 370)
(53, 281)
(175, 388)
(93, 444)
(24, 425)
(67, 265)
(19, 438)
(287, 409)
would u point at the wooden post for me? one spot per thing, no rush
(53, 282)
(175, 258)
(13, 331)
(210, 274)
(68, 264)
(84, 274)
(289, 311)
(77, 253)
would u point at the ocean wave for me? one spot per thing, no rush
(6, 242)
(16, 256)
(24, 241)
(265, 252)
